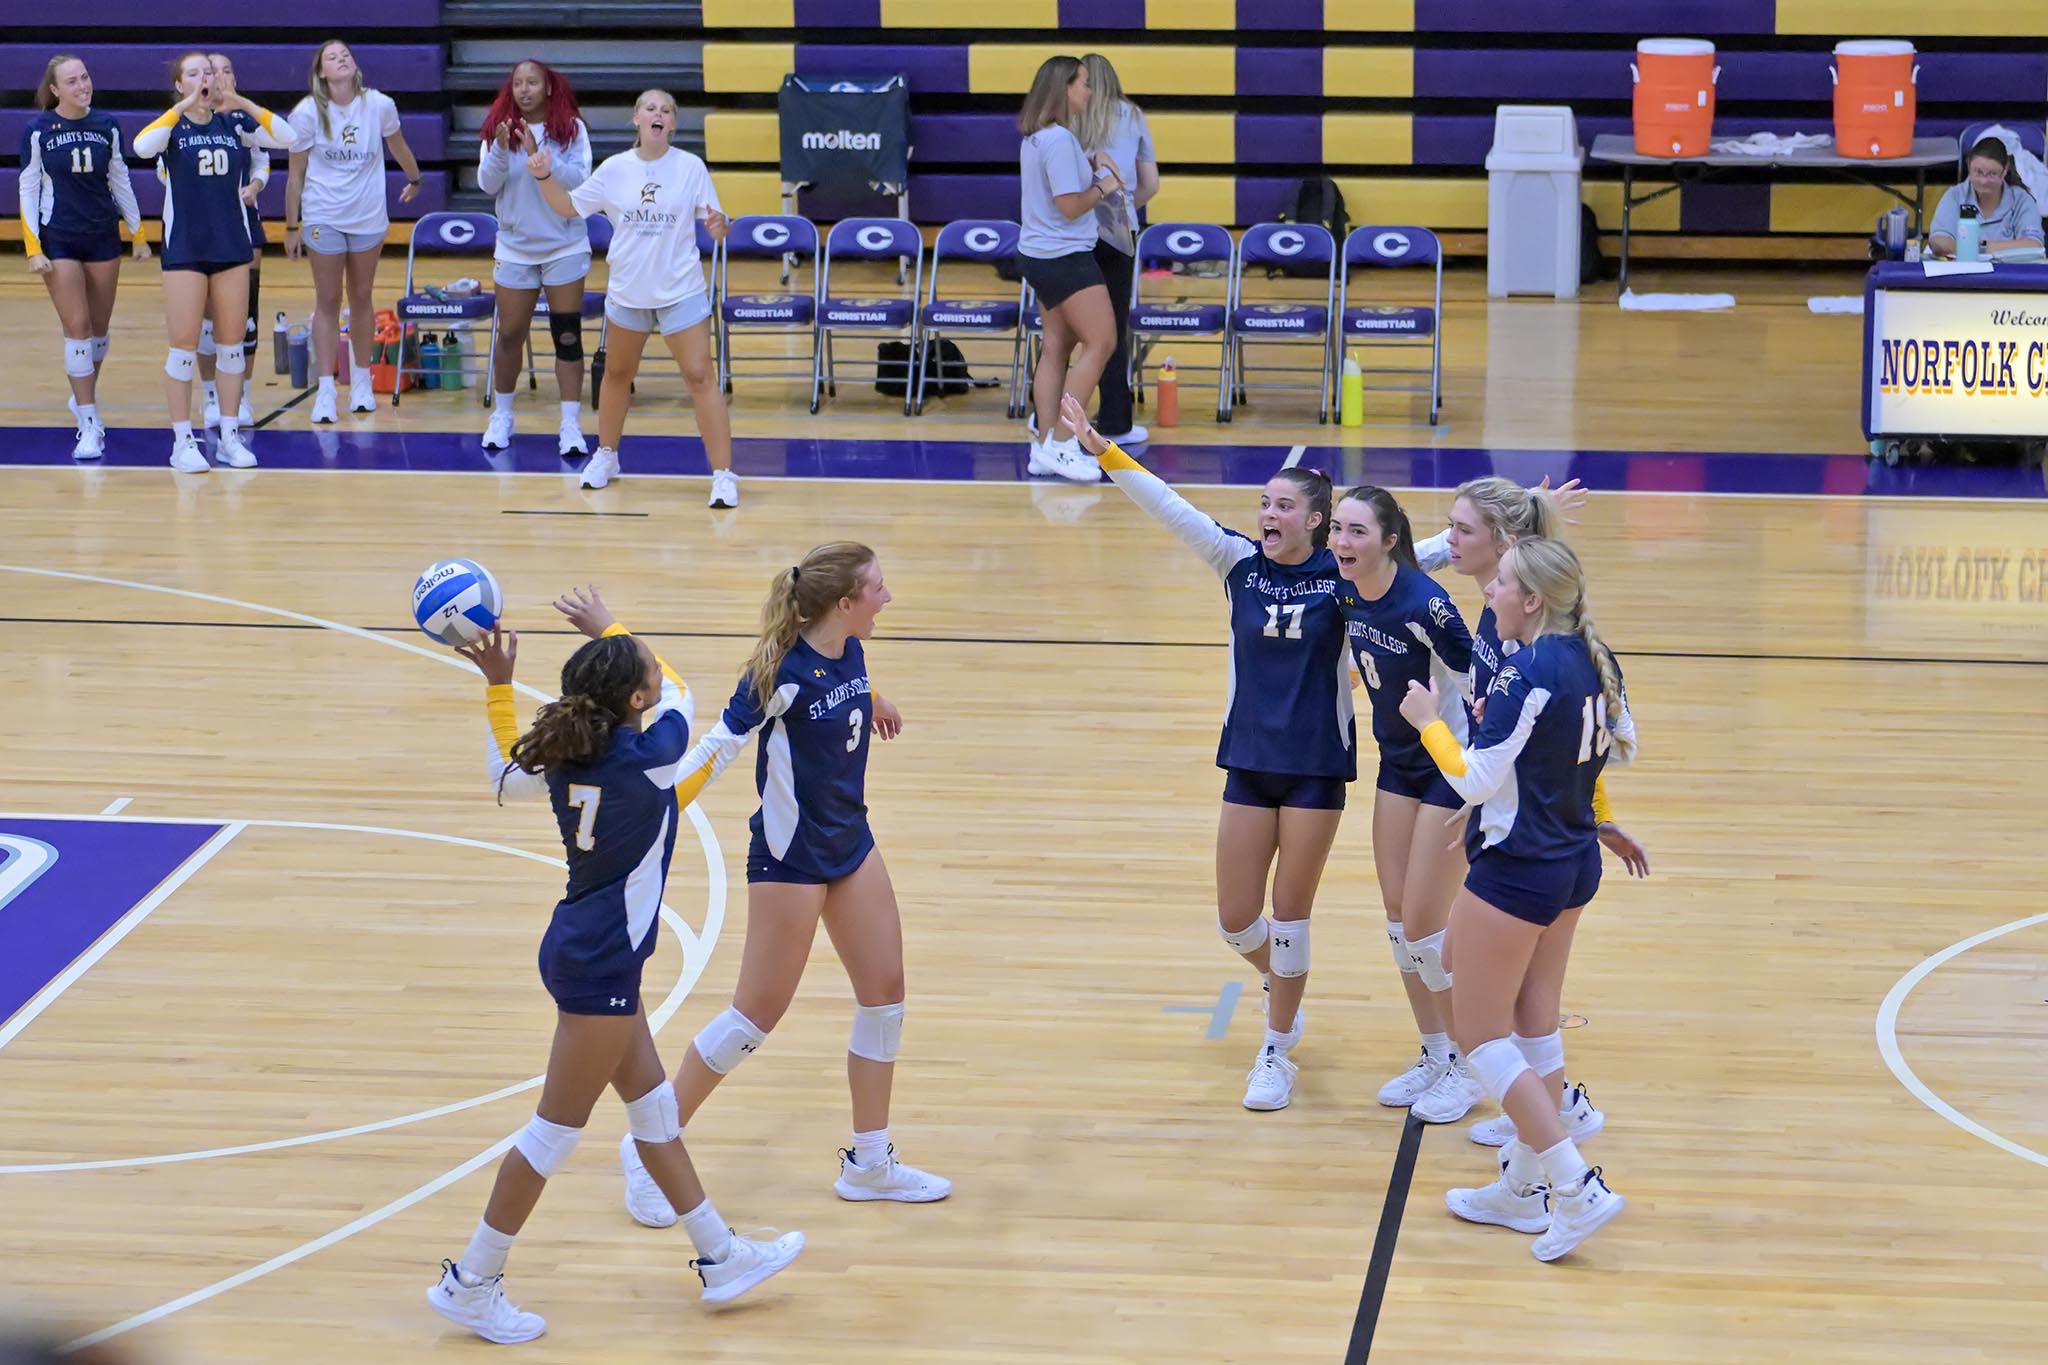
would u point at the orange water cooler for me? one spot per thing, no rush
(1674, 96)
(1876, 97)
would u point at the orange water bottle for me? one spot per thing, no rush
(1169, 395)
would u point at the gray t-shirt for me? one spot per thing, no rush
(1130, 141)
(2017, 216)
(1051, 162)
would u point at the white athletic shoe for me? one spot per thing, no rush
(91, 443)
(888, 1179)
(234, 452)
(1270, 1084)
(1066, 460)
(1412, 1084)
(1136, 436)
(1581, 1121)
(602, 467)
(323, 406)
(242, 414)
(187, 457)
(747, 1264)
(212, 410)
(483, 1308)
(644, 1200)
(1576, 1216)
(725, 489)
(568, 440)
(1451, 1096)
(498, 431)
(362, 392)
(1501, 1204)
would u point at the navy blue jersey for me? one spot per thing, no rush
(203, 167)
(812, 766)
(1412, 633)
(74, 181)
(1289, 707)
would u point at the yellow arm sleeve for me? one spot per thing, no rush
(1443, 746)
(616, 629)
(1603, 814)
(1114, 458)
(502, 706)
(692, 784)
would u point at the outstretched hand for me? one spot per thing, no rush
(494, 655)
(586, 611)
(1075, 415)
(1570, 495)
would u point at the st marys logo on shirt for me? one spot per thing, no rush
(348, 135)
(1502, 679)
(1439, 610)
(647, 192)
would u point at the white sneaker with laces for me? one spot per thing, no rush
(1451, 1096)
(1136, 436)
(1501, 1204)
(1412, 1084)
(1270, 1084)
(644, 1200)
(234, 451)
(1576, 1216)
(1581, 1121)
(91, 443)
(483, 1308)
(212, 410)
(602, 467)
(1075, 464)
(1041, 464)
(362, 392)
(568, 440)
(725, 489)
(498, 430)
(323, 406)
(888, 1179)
(187, 457)
(747, 1264)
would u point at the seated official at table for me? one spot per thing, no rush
(2008, 215)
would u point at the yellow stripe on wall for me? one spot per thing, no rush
(1194, 139)
(953, 14)
(1441, 205)
(1193, 14)
(1914, 18)
(1832, 208)
(733, 135)
(1369, 16)
(1368, 139)
(1159, 69)
(749, 191)
(749, 13)
(743, 68)
(1605, 198)
(1369, 72)
(1194, 199)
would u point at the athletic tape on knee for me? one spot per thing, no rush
(1497, 1062)
(1247, 939)
(654, 1117)
(1545, 1054)
(77, 357)
(1428, 953)
(99, 351)
(181, 365)
(546, 1145)
(568, 335)
(1290, 947)
(206, 337)
(726, 1040)
(233, 360)
(877, 1032)
(1397, 939)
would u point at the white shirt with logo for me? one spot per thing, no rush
(344, 187)
(654, 207)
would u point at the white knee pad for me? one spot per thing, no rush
(1429, 960)
(77, 357)
(231, 361)
(726, 1040)
(1290, 947)
(1247, 939)
(654, 1117)
(99, 351)
(1397, 939)
(877, 1032)
(1497, 1062)
(206, 337)
(546, 1146)
(181, 365)
(1545, 1055)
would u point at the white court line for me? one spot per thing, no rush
(1888, 1039)
(117, 805)
(123, 926)
(1294, 454)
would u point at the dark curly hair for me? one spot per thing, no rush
(598, 684)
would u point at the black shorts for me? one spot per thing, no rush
(1270, 791)
(206, 267)
(576, 994)
(1427, 785)
(1536, 890)
(90, 247)
(1057, 279)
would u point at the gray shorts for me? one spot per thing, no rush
(333, 242)
(676, 317)
(561, 270)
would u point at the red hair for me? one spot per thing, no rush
(562, 112)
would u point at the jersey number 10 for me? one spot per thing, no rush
(1593, 736)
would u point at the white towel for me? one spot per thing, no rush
(1936, 269)
(1675, 303)
(1837, 303)
(1771, 144)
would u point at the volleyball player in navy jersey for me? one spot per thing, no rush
(75, 195)
(606, 755)
(1555, 714)
(207, 251)
(259, 176)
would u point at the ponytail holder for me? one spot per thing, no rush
(796, 572)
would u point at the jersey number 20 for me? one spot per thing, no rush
(1593, 736)
(213, 161)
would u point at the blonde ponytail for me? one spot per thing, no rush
(779, 628)
(1610, 680)
(800, 596)
(1512, 512)
(1547, 567)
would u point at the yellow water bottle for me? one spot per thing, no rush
(1351, 395)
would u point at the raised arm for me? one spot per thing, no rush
(494, 656)
(1196, 529)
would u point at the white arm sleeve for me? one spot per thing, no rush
(508, 779)
(31, 185)
(1489, 769)
(1434, 553)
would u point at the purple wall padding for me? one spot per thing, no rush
(195, 16)
(1262, 199)
(959, 139)
(1718, 206)
(263, 69)
(931, 70)
(2013, 77)
(1279, 71)
(1702, 18)
(1279, 139)
(1101, 14)
(427, 134)
(1290, 16)
(838, 13)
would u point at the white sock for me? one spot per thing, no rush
(182, 430)
(1524, 1168)
(1279, 1042)
(871, 1149)
(228, 424)
(1438, 1046)
(502, 402)
(327, 386)
(89, 412)
(210, 389)
(1563, 1168)
(485, 1258)
(708, 1232)
(572, 413)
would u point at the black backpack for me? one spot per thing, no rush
(1316, 200)
(944, 366)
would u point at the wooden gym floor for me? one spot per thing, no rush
(330, 927)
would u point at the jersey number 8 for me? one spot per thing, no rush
(1593, 736)
(213, 161)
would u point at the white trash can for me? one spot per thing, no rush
(1532, 202)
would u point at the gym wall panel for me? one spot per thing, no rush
(1369, 139)
(749, 13)
(1150, 69)
(1194, 139)
(742, 135)
(1194, 199)
(1914, 18)
(1369, 16)
(955, 14)
(1835, 208)
(738, 68)
(1369, 72)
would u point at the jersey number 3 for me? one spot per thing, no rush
(1593, 736)
(585, 798)
(1292, 612)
